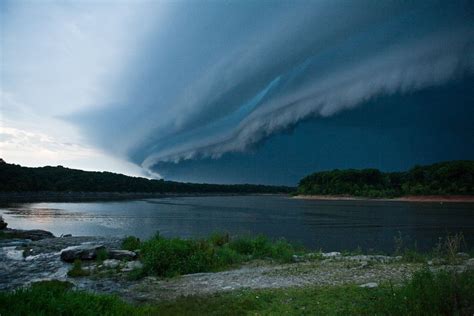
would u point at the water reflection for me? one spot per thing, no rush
(330, 225)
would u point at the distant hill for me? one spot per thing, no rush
(15, 178)
(444, 178)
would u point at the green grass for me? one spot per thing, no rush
(428, 293)
(131, 243)
(169, 257)
(76, 270)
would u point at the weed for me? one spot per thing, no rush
(76, 270)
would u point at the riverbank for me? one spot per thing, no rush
(313, 283)
(24, 262)
(93, 275)
(413, 198)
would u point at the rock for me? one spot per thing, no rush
(122, 254)
(111, 263)
(132, 265)
(3, 224)
(372, 258)
(66, 235)
(369, 285)
(34, 234)
(333, 254)
(364, 264)
(437, 261)
(470, 263)
(296, 258)
(83, 252)
(462, 255)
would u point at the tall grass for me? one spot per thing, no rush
(174, 256)
(447, 248)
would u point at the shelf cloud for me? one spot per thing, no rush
(199, 80)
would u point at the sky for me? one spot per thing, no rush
(236, 91)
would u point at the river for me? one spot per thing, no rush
(326, 225)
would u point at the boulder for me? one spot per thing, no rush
(83, 252)
(462, 255)
(111, 263)
(132, 265)
(122, 254)
(333, 254)
(3, 224)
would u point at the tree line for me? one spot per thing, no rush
(444, 178)
(15, 178)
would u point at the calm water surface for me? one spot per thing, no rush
(330, 225)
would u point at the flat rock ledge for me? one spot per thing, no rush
(34, 234)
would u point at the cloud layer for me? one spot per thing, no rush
(171, 81)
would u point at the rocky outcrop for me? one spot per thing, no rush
(82, 252)
(34, 234)
(3, 224)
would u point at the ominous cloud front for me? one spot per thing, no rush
(212, 82)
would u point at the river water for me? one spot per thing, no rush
(326, 225)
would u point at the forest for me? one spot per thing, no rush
(444, 178)
(15, 178)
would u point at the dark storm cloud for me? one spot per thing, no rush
(218, 77)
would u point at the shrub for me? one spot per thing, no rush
(169, 257)
(219, 239)
(131, 243)
(102, 255)
(76, 270)
(243, 245)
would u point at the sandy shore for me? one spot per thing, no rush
(418, 198)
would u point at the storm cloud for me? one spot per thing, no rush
(211, 78)
(219, 78)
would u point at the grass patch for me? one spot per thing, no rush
(447, 249)
(174, 256)
(57, 298)
(76, 270)
(427, 293)
(131, 243)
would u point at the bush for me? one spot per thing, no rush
(131, 243)
(170, 257)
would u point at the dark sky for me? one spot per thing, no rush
(389, 133)
(237, 91)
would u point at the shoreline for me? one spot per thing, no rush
(51, 196)
(410, 198)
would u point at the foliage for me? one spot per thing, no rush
(427, 293)
(452, 177)
(131, 243)
(449, 247)
(16, 178)
(57, 298)
(76, 270)
(174, 256)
